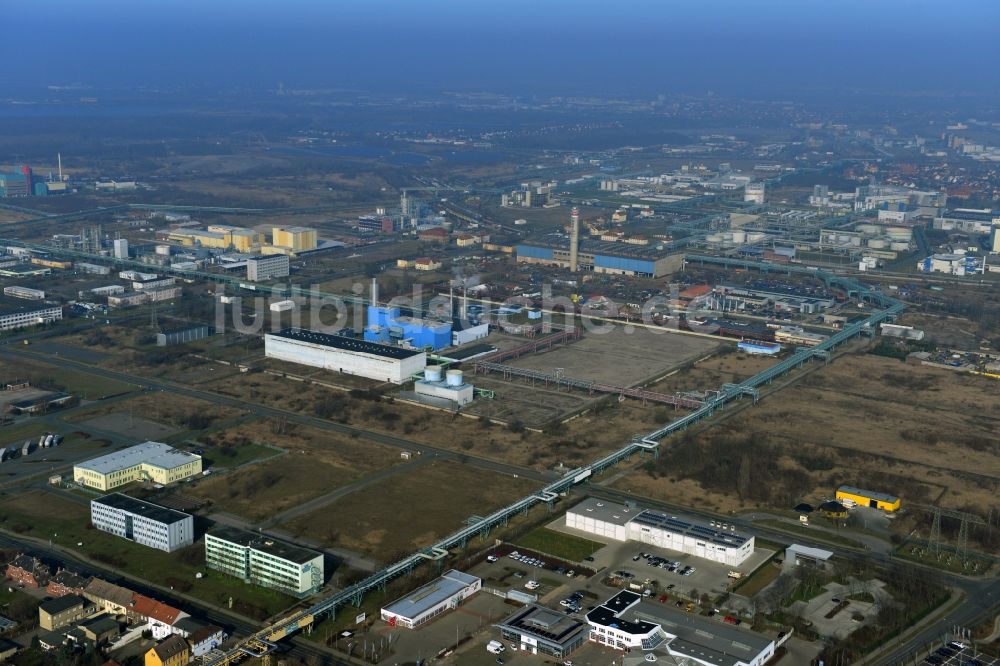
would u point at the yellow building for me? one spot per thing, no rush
(404, 263)
(888, 503)
(51, 263)
(150, 461)
(171, 651)
(297, 239)
(219, 237)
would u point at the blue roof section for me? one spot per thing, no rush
(535, 252)
(430, 595)
(625, 263)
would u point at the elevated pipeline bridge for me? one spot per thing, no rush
(265, 639)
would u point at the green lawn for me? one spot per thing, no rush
(564, 546)
(64, 522)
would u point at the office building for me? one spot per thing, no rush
(427, 602)
(346, 355)
(263, 560)
(143, 522)
(150, 461)
(539, 630)
(268, 267)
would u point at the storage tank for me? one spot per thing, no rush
(454, 377)
(868, 228)
(899, 246)
(878, 244)
(755, 236)
(739, 237)
(432, 373)
(714, 238)
(163, 250)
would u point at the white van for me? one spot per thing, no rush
(495, 647)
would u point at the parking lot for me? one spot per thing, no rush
(958, 654)
(704, 576)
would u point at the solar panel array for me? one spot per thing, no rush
(685, 528)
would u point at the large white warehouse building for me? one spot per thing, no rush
(347, 355)
(622, 523)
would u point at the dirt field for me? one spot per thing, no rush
(619, 357)
(316, 463)
(165, 409)
(727, 366)
(409, 511)
(929, 436)
(132, 426)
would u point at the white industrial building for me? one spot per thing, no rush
(453, 388)
(463, 336)
(952, 264)
(25, 293)
(14, 314)
(120, 246)
(754, 192)
(605, 519)
(267, 267)
(622, 523)
(142, 522)
(432, 599)
(346, 355)
(95, 269)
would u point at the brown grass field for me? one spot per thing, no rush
(409, 511)
(316, 463)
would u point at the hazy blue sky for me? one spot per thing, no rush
(528, 46)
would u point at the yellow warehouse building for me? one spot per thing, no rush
(888, 503)
(296, 239)
(151, 461)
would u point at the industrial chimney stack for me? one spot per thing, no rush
(574, 239)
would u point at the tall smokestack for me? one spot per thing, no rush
(574, 239)
(375, 292)
(59, 157)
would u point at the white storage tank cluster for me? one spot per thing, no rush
(878, 244)
(453, 388)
